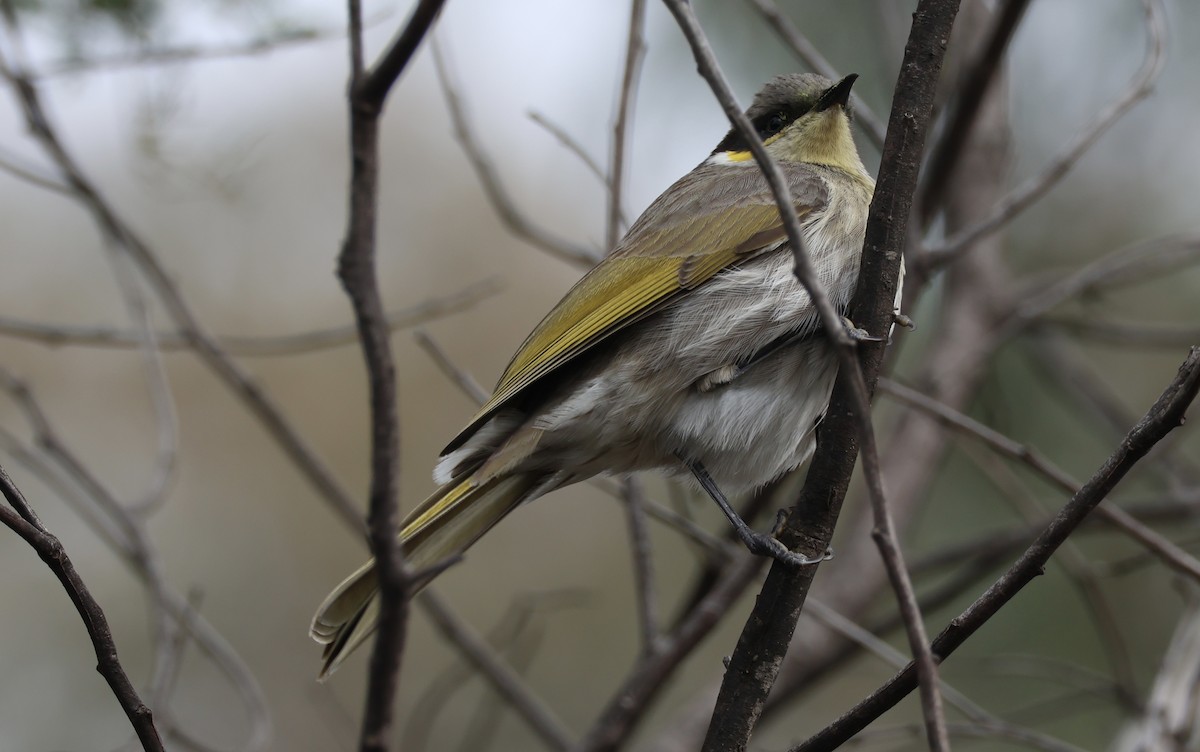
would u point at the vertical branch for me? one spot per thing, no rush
(974, 86)
(635, 51)
(809, 525)
(356, 269)
(643, 562)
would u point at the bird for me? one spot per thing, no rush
(691, 349)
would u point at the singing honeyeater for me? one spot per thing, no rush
(691, 349)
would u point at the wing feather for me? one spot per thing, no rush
(709, 220)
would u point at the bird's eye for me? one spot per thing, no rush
(776, 123)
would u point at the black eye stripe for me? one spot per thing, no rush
(767, 124)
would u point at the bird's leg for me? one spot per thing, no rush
(756, 542)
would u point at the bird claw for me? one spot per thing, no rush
(768, 545)
(859, 335)
(902, 320)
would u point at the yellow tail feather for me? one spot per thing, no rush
(445, 524)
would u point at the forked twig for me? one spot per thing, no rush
(516, 222)
(1025, 195)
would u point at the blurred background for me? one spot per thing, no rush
(232, 164)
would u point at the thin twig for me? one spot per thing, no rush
(635, 52)
(576, 148)
(1077, 567)
(55, 335)
(1174, 557)
(978, 715)
(1028, 193)
(128, 536)
(459, 377)
(280, 39)
(649, 675)
(643, 562)
(502, 678)
(34, 176)
(117, 231)
(1166, 414)
(1125, 333)
(516, 222)
(27, 525)
(517, 630)
(1125, 266)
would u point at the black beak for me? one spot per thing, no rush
(838, 94)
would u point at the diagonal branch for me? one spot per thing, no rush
(518, 224)
(1165, 415)
(26, 524)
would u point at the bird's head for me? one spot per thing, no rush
(801, 117)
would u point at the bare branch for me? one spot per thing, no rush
(576, 148)
(34, 176)
(463, 380)
(372, 86)
(635, 52)
(1126, 266)
(646, 680)
(1028, 193)
(1170, 554)
(980, 718)
(279, 39)
(643, 562)
(961, 120)
(54, 335)
(1166, 414)
(1169, 720)
(512, 217)
(755, 662)
(116, 231)
(60, 469)
(1125, 333)
(27, 525)
(357, 272)
(500, 676)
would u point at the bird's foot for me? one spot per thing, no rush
(857, 334)
(760, 544)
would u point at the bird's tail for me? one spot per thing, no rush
(445, 524)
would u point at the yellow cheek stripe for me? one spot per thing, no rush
(742, 156)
